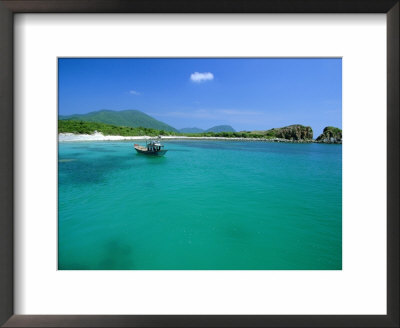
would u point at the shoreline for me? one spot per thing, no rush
(97, 136)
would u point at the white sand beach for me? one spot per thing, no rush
(97, 136)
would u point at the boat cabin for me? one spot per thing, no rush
(154, 146)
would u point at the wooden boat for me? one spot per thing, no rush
(153, 147)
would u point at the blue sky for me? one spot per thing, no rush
(248, 94)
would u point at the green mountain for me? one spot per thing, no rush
(191, 130)
(130, 118)
(221, 128)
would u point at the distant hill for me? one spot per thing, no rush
(218, 128)
(130, 118)
(221, 128)
(191, 130)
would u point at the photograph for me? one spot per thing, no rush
(212, 163)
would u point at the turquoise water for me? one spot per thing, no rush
(205, 205)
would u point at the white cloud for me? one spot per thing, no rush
(134, 92)
(201, 77)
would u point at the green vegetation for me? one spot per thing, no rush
(330, 135)
(137, 123)
(242, 134)
(82, 127)
(333, 130)
(293, 132)
(127, 118)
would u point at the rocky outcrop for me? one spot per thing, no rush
(330, 135)
(295, 132)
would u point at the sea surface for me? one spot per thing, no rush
(207, 205)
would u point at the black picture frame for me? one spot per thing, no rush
(10, 7)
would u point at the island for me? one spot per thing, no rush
(330, 135)
(72, 129)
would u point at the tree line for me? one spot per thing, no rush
(83, 127)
